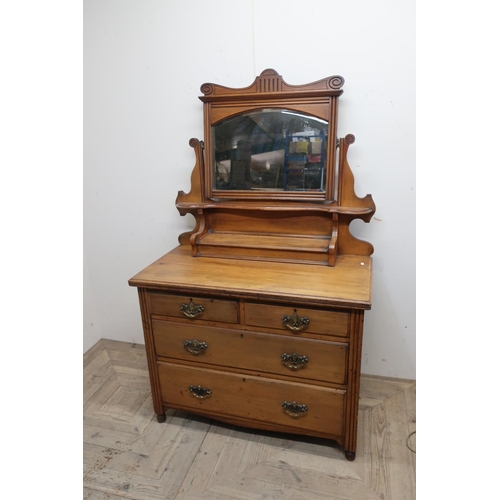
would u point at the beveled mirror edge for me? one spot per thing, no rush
(269, 151)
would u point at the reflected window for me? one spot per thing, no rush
(270, 150)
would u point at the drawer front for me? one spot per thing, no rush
(297, 320)
(277, 354)
(194, 308)
(254, 398)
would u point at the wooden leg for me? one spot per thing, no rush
(161, 417)
(350, 455)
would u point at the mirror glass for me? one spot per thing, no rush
(270, 150)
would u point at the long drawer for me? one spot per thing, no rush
(289, 404)
(194, 308)
(277, 354)
(297, 320)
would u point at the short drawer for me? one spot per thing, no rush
(287, 404)
(194, 308)
(274, 354)
(297, 319)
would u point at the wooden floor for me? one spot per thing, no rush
(128, 454)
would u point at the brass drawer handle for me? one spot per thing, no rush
(293, 409)
(195, 347)
(192, 310)
(294, 361)
(200, 392)
(295, 322)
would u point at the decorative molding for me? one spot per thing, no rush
(269, 82)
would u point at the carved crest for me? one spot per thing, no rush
(270, 82)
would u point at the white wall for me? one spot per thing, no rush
(144, 62)
(92, 332)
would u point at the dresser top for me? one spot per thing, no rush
(347, 284)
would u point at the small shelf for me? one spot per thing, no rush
(266, 241)
(254, 246)
(268, 207)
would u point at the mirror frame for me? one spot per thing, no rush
(318, 99)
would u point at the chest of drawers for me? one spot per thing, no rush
(256, 318)
(286, 358)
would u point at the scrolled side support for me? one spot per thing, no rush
(347, 198)
(196, 193)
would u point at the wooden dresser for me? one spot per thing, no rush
(256, 318)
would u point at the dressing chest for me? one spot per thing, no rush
(256, 318)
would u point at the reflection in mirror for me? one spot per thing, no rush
(270, 149)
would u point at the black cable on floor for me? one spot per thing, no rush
(408, 441)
